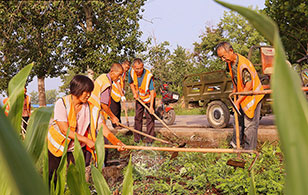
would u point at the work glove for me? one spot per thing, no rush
(123, 99)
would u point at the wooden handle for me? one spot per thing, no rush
(168, 149)
(141, 102)
(125, 111)
(144, 134)
(237, 128)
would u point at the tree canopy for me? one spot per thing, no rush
(232, 28)
(292, 19)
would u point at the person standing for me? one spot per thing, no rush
(26, 111)
(142, 85)
(117, 92)
(244, 78)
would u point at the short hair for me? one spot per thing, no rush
(137, 61)
(126, 62)
(227, 46)
(80, 84)
(116, 67)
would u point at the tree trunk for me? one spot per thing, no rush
(89, 27)
(41, 91)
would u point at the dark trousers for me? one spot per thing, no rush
(53, 162)
(248, 129)
(149, 124)
(115, 108)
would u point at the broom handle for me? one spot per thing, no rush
(168, 149)
(143, 104)
(144, 134)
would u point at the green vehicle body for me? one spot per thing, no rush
(211, 91)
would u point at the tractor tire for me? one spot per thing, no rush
(218, 114)
(169, 117)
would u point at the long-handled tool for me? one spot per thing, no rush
(146, 135)
(125, 111)
(143, 104)
(173, 155)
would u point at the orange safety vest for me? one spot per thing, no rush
(101, 83)
(28, 103)
(7, 108)
(56, 140)
(250, 103)
(115, 92)
(143, 90)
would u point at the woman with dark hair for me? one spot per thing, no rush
(82, 118)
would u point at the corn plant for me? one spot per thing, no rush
(17, 157)
(290, 105)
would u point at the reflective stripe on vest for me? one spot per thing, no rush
(115, 92)
(250, 103)
(143, 90)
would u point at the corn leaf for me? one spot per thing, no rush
(100, 183)
(128, 180)
(16, 164)
(290, 105)
(37, 131)
(45, 164)
(76, 173)
(100, 149)
(61, 171)
(16, 96)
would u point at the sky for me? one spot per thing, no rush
(180, 22)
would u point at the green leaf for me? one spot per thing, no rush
(290, 106)
(61, 171)
(100, 183)
(16, 164)
(128, 180)
(45, 164)
(76, 173)
(100, 149)
(16, 96)
(37, 131)
(79, 158)
(252, 187)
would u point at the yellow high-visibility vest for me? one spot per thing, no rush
(115, 92)
(56, 140)
(143, 90)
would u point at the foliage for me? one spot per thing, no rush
(288, 101)
(197, 173)
(169, 67)
(34, 97)
(101, 32)
(291, 18)
(51, 96)
(233, 28)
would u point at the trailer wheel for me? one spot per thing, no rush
(218, 114)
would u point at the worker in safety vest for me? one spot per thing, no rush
(117, 92)
(142, 85)
(26, 111)
(7, 107)
(244, 78)
(101, 95)
(82, 118)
